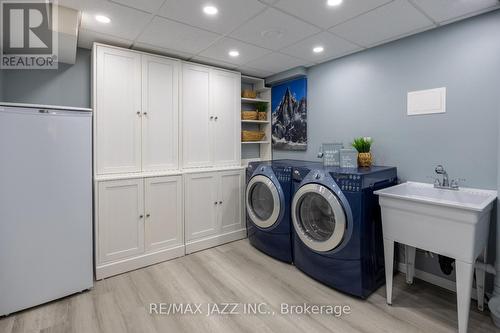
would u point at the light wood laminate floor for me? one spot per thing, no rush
(236, 272)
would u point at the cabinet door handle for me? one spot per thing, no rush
(215, 203)
(211, 117)
(139, 113)
(141, 216)
(145, 113)
(216, 118)
(148, 215)
(220, 202)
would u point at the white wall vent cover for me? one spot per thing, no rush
(427, 101)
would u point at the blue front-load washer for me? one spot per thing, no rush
(337, 226)
(268, 194)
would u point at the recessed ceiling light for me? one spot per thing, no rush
(102, 19)
(333, 3)
(210, 10)
(318, 49)
(234, 53)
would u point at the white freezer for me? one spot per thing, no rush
(45, 205)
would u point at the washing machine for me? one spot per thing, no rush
(268, 194)
(337, 226)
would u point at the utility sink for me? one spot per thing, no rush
(464, 198)
(453, 223)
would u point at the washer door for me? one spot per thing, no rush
(263, 203)
(318, 217)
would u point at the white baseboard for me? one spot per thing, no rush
(435, 280)
(114, 268)
(118, 267)
(208, 242)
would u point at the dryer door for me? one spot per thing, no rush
(318, 217)
(263, 202)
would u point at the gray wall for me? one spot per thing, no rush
(69, 85)
(1, 86)
(365, 95)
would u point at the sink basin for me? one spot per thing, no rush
(464, 198)
(447, 222)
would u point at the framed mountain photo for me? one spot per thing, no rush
(289, 115)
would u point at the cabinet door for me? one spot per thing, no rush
(160, 123)
(231, 214)
(200, 205)
(225, 105)
(164, 223)
(118, 101)
(120, 220)
(196, 123)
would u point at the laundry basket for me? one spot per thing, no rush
(252, 135)
(249, 115)
(248, 93)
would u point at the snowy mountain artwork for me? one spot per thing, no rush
(289, 115)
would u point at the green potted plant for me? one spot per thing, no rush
(363, 145)
(262, 110)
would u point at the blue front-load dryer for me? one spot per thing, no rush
(337, 226)
(268, 195)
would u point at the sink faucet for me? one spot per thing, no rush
(445, 184)
(441, 171)
(321, 154)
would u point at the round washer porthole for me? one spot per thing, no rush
(263, 202)
(318, 217)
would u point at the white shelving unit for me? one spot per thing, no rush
(264, 151)
(255, 122)
(254, 142)
(254, 100)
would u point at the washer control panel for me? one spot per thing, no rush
(349, 182)
(284, 175)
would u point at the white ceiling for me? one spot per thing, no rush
(270, 35)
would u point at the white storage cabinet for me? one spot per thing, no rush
(210, 117)
(154, 117)
(139, 222)
(137, 110)
(214, 208)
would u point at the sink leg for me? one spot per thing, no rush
(389, 263)
(410, 263)
(480, 279)
(464, 272)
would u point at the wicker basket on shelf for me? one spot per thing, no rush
(249, 115)
(252, 135)
(248, 93)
